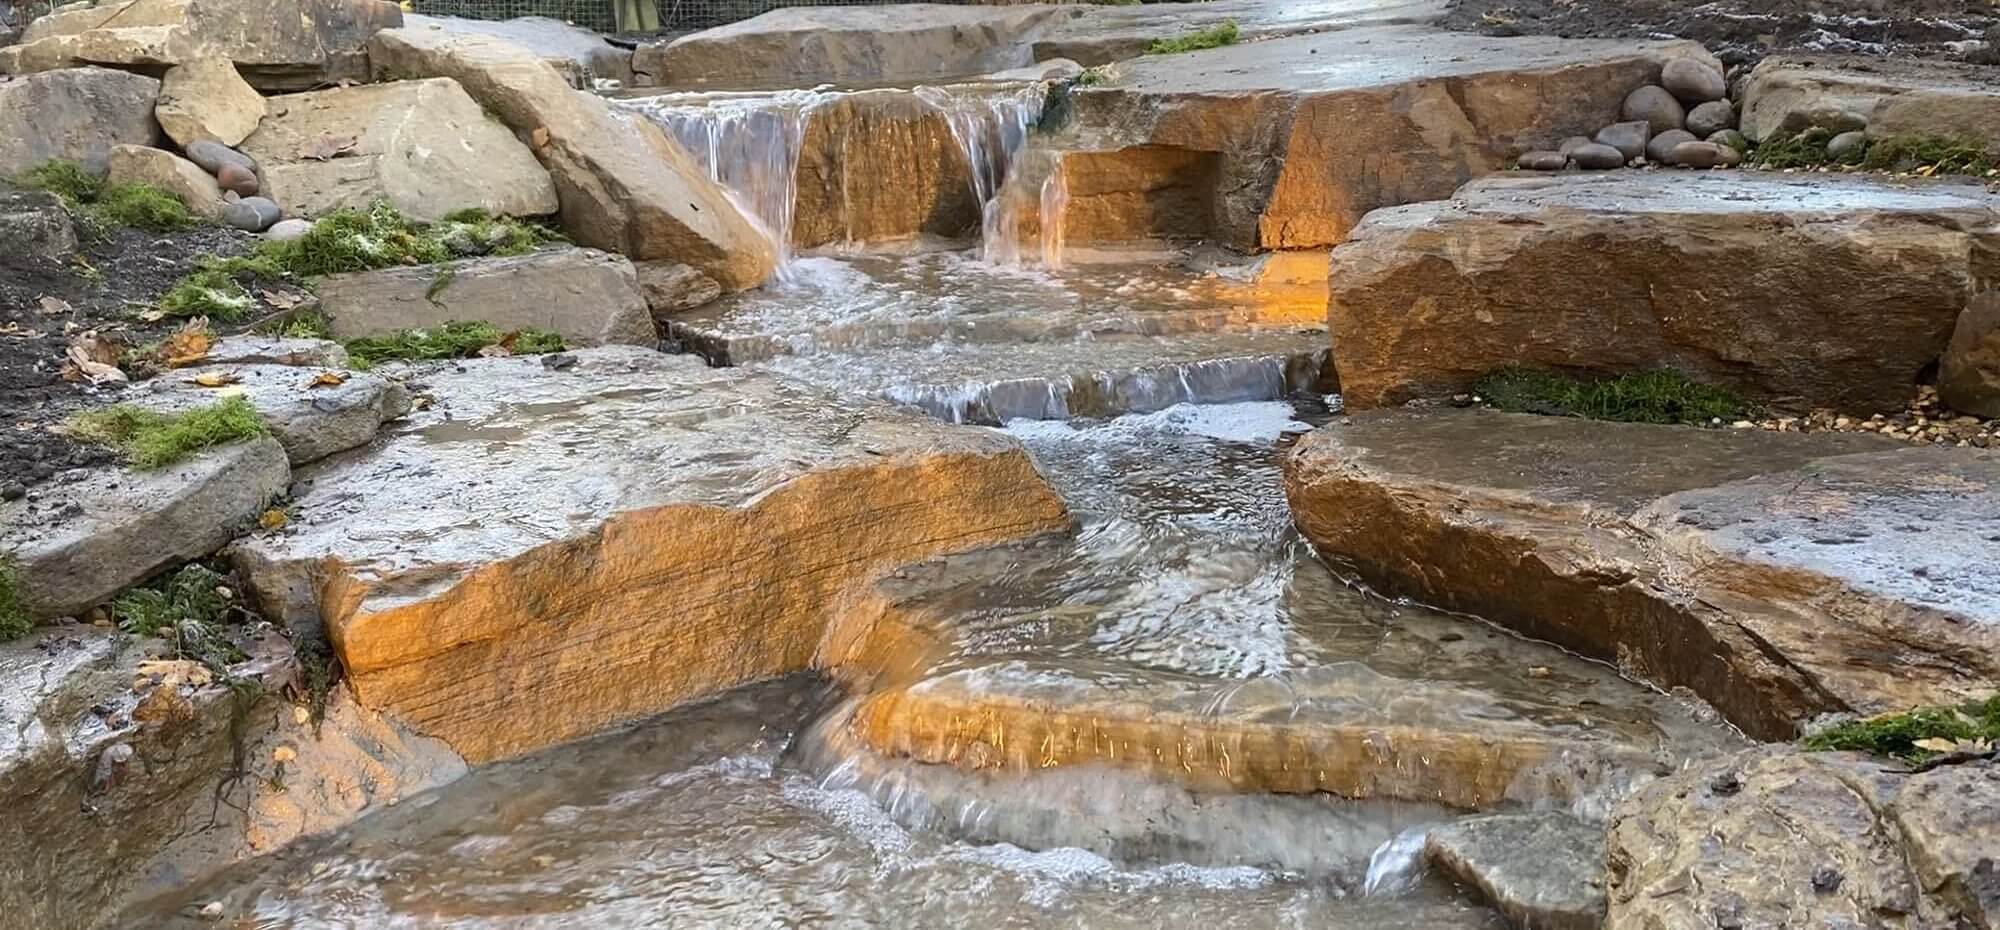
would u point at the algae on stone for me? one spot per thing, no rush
(1914, 735)
(456, 339)
(150, 440)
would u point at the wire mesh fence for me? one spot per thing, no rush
(603, 15)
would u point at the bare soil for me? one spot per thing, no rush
(1744, 31)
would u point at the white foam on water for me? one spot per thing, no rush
(1247, 422)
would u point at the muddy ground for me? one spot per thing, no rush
(114, 277)
(1744, 31)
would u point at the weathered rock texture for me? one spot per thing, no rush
(35, 224)
(138, 164)
(310, 417)
(1287, 143)
(82, 542)
(424, 146)
(605, 541)
(1969, 372)
(880, 166)
(590, 297)
(1807, 291)
(1788, 94)
(1776, 576)
(1775, 837)
(552, 39)
(78, 114)
(1559, 887)
(206, 99)
(624, 186)
(276, 44)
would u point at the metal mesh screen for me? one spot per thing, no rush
(590, 14)
(674, 15)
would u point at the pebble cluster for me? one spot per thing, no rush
(236, 173)
(1925, 421)
(1686, 121)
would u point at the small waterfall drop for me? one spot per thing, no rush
(991, 129)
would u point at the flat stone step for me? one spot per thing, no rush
(1778, 576)
(554, 546)
(1813, 290)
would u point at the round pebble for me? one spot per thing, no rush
(1711, 117)
(239, 179)
(251, 214)
(1629, 138)
(1732, 139)
(1654, 105)
(1657, 149)
(1696, 155)
(1543, 161)
(1693, 81)
(1573, 143)
(1841, 145)
(212, 156)
(287, 230)
(1598, 157)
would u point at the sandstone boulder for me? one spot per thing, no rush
(1557, 886)
(881, 166)
(423, 146)
(1969, 373)
(77, 114)
(624, 186)
(553, 40)
(590, 297)
(1777, 576)
(1262, 145)
(1775, 837)
(312, 418)
(805, 45)
(138, 164)
(650, 530)
(254, 349)
(207, 99)
(35, 224)
(1819, 291)
(82, 540)
(276, 44)
(1788, 94)
(671, 288)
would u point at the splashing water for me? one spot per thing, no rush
(749, 145)
(1397, 864)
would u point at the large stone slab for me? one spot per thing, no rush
(1789, 94)
(554, 40)
(1811, 291)
(1776, 576)
(590, 297)
(310, 415)
(624, 186)
(1286, 143)
(1775, 837)
(207, 99)
(548, 552)
(424, 146)
(1544, 871)
(82, 541)
(276, 44)
(78, 114)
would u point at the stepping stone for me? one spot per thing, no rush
(313, 417)
(1544, 871)
(586, 296)
(1778, 576)
(544, 553)
(1815, 291)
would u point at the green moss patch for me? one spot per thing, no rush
(65, 179)
(149, 439)
(1931, 155)
(141, 206)
(14, 621)
(1663, 396)
(452, 340)
(1917, 735)
(1212, 37)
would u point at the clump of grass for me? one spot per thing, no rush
(1663, 396)
(1940, 155)
(142, 206)
(1212, 37)
(457, 339)
(1803, 150)
(14, 620)
(188, 607)
(1093, 76)
(149, 439)
(1898, 735)
(63, 178)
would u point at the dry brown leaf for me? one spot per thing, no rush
(273, 519)
(328, 147)
(52, 306)
(96, 348)
(1937, 744)
(84, 368)
(281, 300)
(328, 379)
(495, 351)
(189, 344)
(216, 379)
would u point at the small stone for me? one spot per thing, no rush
(251, 214)
(558, 361)
(1732, 138)
(1654, 105)
(1693, 81)
(1711, 117)
(239, 179)
(1743, 424)
(1543, 161)
(1725, 784)
(1629, 138)
(287, 230)
(1696, 155)
(1656, 150)
(1826, 879)
(1845, 143)
(284, 754)
(1572, 143)
(211, 911)
(300, 714)
(212, 156)
(1730, 157)
(13, 491)
(1598, 157)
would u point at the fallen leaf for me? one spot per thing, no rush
(494, 351)
(1937, 744)
(328, 379)
(152, 316)
(189, 344)
(328, 147)
(273, 519)
(281, 300)
(83, 368)
(96, 348)
(215, 379)
(55, 305)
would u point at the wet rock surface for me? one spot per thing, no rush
(707, 494)
(589, 297)
(424, 146)
(1790, 94)
(552, 39)
(1785, 288)
(77, 114)
(1776, 576)
(312, 412)
(1775, 836)
(1562, 888)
